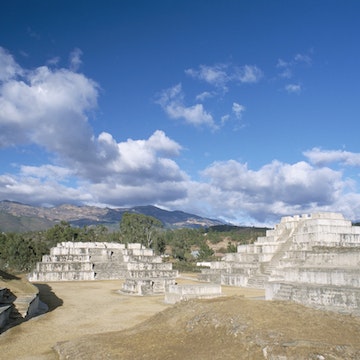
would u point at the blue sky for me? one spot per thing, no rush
(244, 111)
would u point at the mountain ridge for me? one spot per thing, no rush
(18, 217)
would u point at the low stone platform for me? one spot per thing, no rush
(176, 293)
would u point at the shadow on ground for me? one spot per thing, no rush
(48, 297)
(6, 276)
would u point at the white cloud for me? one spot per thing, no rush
(238, 110)
(171, 100)
(136, 171)
(274, 190)
(48, 108)
(248, 74)
(281, 63)
(224, 119)
(215, 75)
(34, 190)
(220, 75)
(204, 95)
(287, 67)
(293, 88)
(46, 172)
(54, 61)
(324, 157)
(75, 59)
(303, 58)
(8, 67)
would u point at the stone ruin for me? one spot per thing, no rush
(176, 293)
(142, 271)
(310, 259)
(16, 306)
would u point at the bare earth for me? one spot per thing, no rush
(91, 320)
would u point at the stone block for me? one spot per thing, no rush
(176, 293)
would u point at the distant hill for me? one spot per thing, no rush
(18, 217)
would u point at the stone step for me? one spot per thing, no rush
(62, 276)
(64, 266)
(284, 293)
(135, 274)
(66, 258)
(257, 281)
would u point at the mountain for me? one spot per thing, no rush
(18, 217)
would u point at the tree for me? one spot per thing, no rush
(205, 252)
(17, 253)
(61, 232)
(140, 228)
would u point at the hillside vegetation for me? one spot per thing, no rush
(184, 247)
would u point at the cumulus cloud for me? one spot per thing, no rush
(276, 189)
(323, 157)
(172, 102)
(46, 107)
(141, 172)
(40, 191)
(49, 108)
(8, 67)
(47, 171)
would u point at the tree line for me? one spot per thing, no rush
(20, 252)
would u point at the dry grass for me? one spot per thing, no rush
(91, 320)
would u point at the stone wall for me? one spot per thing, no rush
(176, 293)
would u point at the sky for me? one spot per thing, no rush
(243, 111)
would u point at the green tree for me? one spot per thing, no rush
(18, 253)
(205, 252)
(140, 228)
(61, 232)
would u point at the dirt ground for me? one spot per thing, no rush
(91, 320)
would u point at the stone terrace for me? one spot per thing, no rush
(143, 271)
(310, 259)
